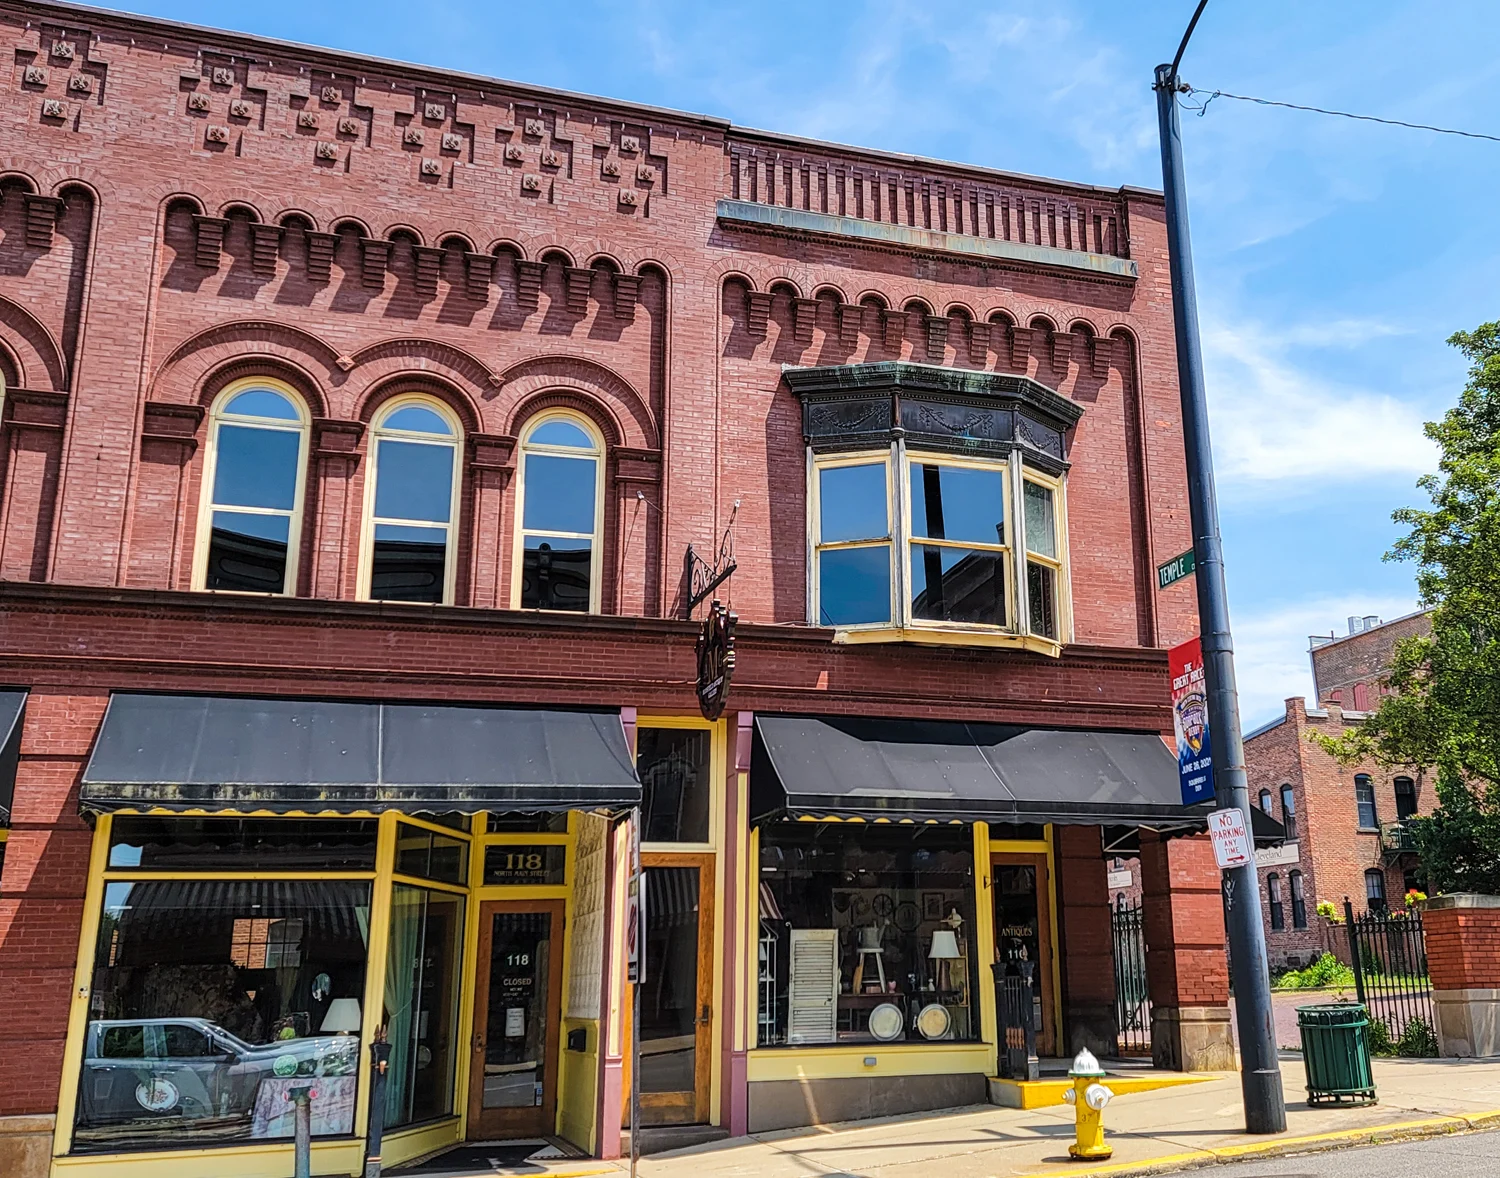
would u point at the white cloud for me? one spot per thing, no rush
(1275, 421)
(1270, 646)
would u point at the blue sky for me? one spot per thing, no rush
(1333, 257)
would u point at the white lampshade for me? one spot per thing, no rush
(944, 945)
(344, 1017)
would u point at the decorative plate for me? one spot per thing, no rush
(882, 905)
(887, 1022)
(933, 1020)
(908, 916)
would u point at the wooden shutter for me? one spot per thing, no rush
(813, 991)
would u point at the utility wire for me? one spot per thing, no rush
(1343, 114)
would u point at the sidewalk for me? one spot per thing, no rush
(1175, 1128)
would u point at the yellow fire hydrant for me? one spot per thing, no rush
(1088, 1098)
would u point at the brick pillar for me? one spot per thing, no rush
(1187, 969)
(1463, 960)
(1083, 918)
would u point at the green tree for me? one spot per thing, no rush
(1444, 706)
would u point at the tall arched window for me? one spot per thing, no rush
(560, 509)
(1299, 900)
(1364, 802)
(410, 497)
(1273, 894)
(1289, 812)
(1375, 889)
(1265, 800)
(250, 522)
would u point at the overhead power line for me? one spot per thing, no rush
(1343, 114)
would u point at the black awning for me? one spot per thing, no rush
(920, 770)
(184, 752)
(1125, 841)
(12, 707)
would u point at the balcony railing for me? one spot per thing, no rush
(1396, 838)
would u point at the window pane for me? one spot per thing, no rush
(559, 493)
(560, 433)
(1041, 524)
(1364, 798)
(418, 419)
(423, 975)
(527, 823)
(262, 403)
(432, 855)
(248, 553)
(669, 995)
(1406, 798)
(513, 1015)
(242, 844)
(957, 503)
(852, 503)
(414, 480)
(894, 894)
(1041, 598)
(248, 972)
(555, 573)
(854, 586)
(674, 767)
(409, 564)
(957, 585)
(256, 467)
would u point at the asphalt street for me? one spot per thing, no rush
(1462, 1155)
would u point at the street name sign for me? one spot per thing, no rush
(1175, 569)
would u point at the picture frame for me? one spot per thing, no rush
(932, 905)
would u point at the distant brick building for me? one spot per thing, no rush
(1345, 833)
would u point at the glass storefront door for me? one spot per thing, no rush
(676, 999)
(518, 994)
(1023, 933)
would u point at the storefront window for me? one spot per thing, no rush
(421, 1003)
(866, 934)
(676, 784)
(243, 844)
(430, 855)
(212, 1000)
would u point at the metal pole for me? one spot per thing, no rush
(1260, 1072)
(635, 989)
(380, 1054)
(301, 1130)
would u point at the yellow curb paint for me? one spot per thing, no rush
(1033, 1094)
(1373, 1134)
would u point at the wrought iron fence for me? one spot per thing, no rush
(1388, 952)
(1016, 1008)
(1132, 999)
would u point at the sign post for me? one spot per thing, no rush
(635, 974)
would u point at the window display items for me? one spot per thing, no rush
(887, 1022)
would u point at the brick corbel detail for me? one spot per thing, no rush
(937, 335)
(578, 282)
(1062, 348)
(1020, 346)
(335, 438)
(265, 246)
(479, 269)
(804, 317)
(320, 250)
(529, 282)
(374, 259)
(1101, 351)
(894, 328)
(492, 452)
(171, 424)
(627, 294)
(757, 312)
(35, 409)
(979, 340)
(208, 241)
(633, 465)
(41, 216)
(851, 318)
(428, 262)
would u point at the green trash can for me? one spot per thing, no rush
(1336, 1054)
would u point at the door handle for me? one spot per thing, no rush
(706, 1015)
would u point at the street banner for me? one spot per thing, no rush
(1195, 772)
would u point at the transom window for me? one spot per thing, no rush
(954, 521)
(251, 521)
(560, 508)
(413, 486)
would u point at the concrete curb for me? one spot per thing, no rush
(1440, 1126)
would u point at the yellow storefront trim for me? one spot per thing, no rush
(407, 1144)
(891, 1059)
(345, 1156)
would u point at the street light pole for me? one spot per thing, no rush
(1260, 1072)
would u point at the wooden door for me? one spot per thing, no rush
(517, 1008)
(677, 996)
(1022, 888)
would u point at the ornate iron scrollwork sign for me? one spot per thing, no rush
(715, 660)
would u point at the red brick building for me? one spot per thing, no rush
(372, 437)
(1344, 823)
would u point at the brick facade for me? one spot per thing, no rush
(1350, 670)
(184, 207)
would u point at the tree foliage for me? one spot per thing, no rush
(1444, 706)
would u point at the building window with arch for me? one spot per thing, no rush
(1289, 812)
(1406, 798)
(1273, 894)
(1375, 889)
(411, 495)
(1299, 899)
(1265, 800)
(254, 475)
(1364, 801)
(560, 515)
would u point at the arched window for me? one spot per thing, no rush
(1289, 812)
(1364, 802)
(1299, 899)
(560, 510)
(250, 522)
(1406, 798)
(410, 497)
(1273, 894)
(1375, 889)
(1265, 800)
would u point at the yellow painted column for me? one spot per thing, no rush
(984, 937)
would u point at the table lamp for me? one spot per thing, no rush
(944, 948)
(343, 1017)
